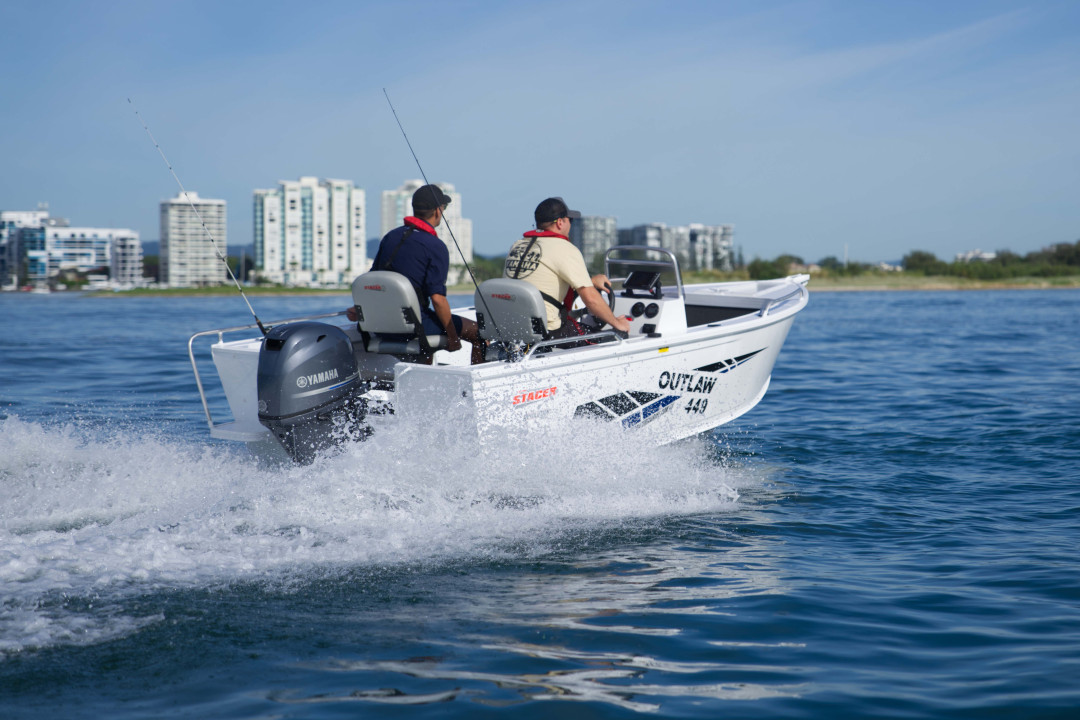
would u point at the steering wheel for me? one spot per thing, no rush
(610, 296)
(600, 324)
(611, 305)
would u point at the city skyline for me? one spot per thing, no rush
(308, 232)
(811, 126)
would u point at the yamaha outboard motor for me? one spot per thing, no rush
(309, 388)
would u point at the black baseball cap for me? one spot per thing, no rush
(551, 210)
(429, 197)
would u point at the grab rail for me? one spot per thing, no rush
(674, 264)
(606, 335)
(771, 302)
(220, 333)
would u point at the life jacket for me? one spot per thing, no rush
(563, 307)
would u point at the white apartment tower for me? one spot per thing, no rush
(126, 268)
(188, 257)
(311, 232)
(396, 204)
(712, 246)
(593, 235)
(89, 249)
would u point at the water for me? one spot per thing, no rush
(893, 532)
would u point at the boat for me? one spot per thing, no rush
(696, 356)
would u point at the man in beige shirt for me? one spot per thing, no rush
(545, 258)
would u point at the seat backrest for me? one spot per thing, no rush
(510, 311)
(389, 316)
(383, 299)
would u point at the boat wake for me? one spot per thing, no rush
(88, 520)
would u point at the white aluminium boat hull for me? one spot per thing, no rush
(665, 382)
(660, 390)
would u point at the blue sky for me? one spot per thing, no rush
(884, 127)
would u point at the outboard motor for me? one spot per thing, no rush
(309, 388)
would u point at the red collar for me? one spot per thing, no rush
(545, 233)
(419, 224)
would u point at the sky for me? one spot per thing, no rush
(817, 128)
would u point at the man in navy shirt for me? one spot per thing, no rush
(415, 251)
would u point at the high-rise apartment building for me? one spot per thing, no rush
(311, 232)
(12, 223)
(82, 250)
(396, 204)
(43, 247)
(712, 246)
(188, 255)
(698, 247)
(593, 235)
(126, 266)
(651, 235)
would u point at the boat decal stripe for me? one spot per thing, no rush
(619, 404)
(658, 405)
(724, 365)
(631, 416)
(592, 410)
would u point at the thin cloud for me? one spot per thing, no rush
(809, 125)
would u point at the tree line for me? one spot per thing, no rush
(1053, 261)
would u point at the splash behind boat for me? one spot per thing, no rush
(696, 357)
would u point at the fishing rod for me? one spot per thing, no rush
(202, 222)
(439, 204)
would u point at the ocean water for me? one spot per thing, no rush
(893, 533)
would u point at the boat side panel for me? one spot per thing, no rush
(439, 397)
(660, 393)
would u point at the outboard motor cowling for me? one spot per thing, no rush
(309, 388)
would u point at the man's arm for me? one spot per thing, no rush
(442, 311)
(599, 309)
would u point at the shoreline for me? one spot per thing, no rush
(1069, 283)
(870, 284)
